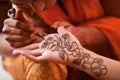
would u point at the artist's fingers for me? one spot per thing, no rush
(15, 31)
(17, 24)
(15, 38)
(31, 46)
(21, 44)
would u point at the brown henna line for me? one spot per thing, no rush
(50, 44)
(67, 49)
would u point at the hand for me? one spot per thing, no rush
(65, 24)
(56, 48)
(18, 33)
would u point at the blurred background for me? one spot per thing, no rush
(4, 6)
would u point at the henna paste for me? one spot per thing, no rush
(67, 49)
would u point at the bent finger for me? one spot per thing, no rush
(17, 38)
(21, 44)
(15, 31)
(18, 24)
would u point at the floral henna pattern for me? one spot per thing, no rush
(66, 49)
(51, 43)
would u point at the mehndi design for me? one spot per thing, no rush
(67, 45)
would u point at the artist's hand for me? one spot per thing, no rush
(56, 48)
(17, 33)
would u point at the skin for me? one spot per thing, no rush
(69, 51)
(19, 31)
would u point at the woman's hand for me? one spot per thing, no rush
(65, 48)
(56, 48)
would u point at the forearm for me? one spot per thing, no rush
(75, 55)
(88, 61)
(97, 66)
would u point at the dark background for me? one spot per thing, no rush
(4, 6)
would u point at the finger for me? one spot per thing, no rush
(21, 44)
(16, 38)
(35, 52)
(15, 31)
(34, 58)
(31, 46)
(18, 24)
